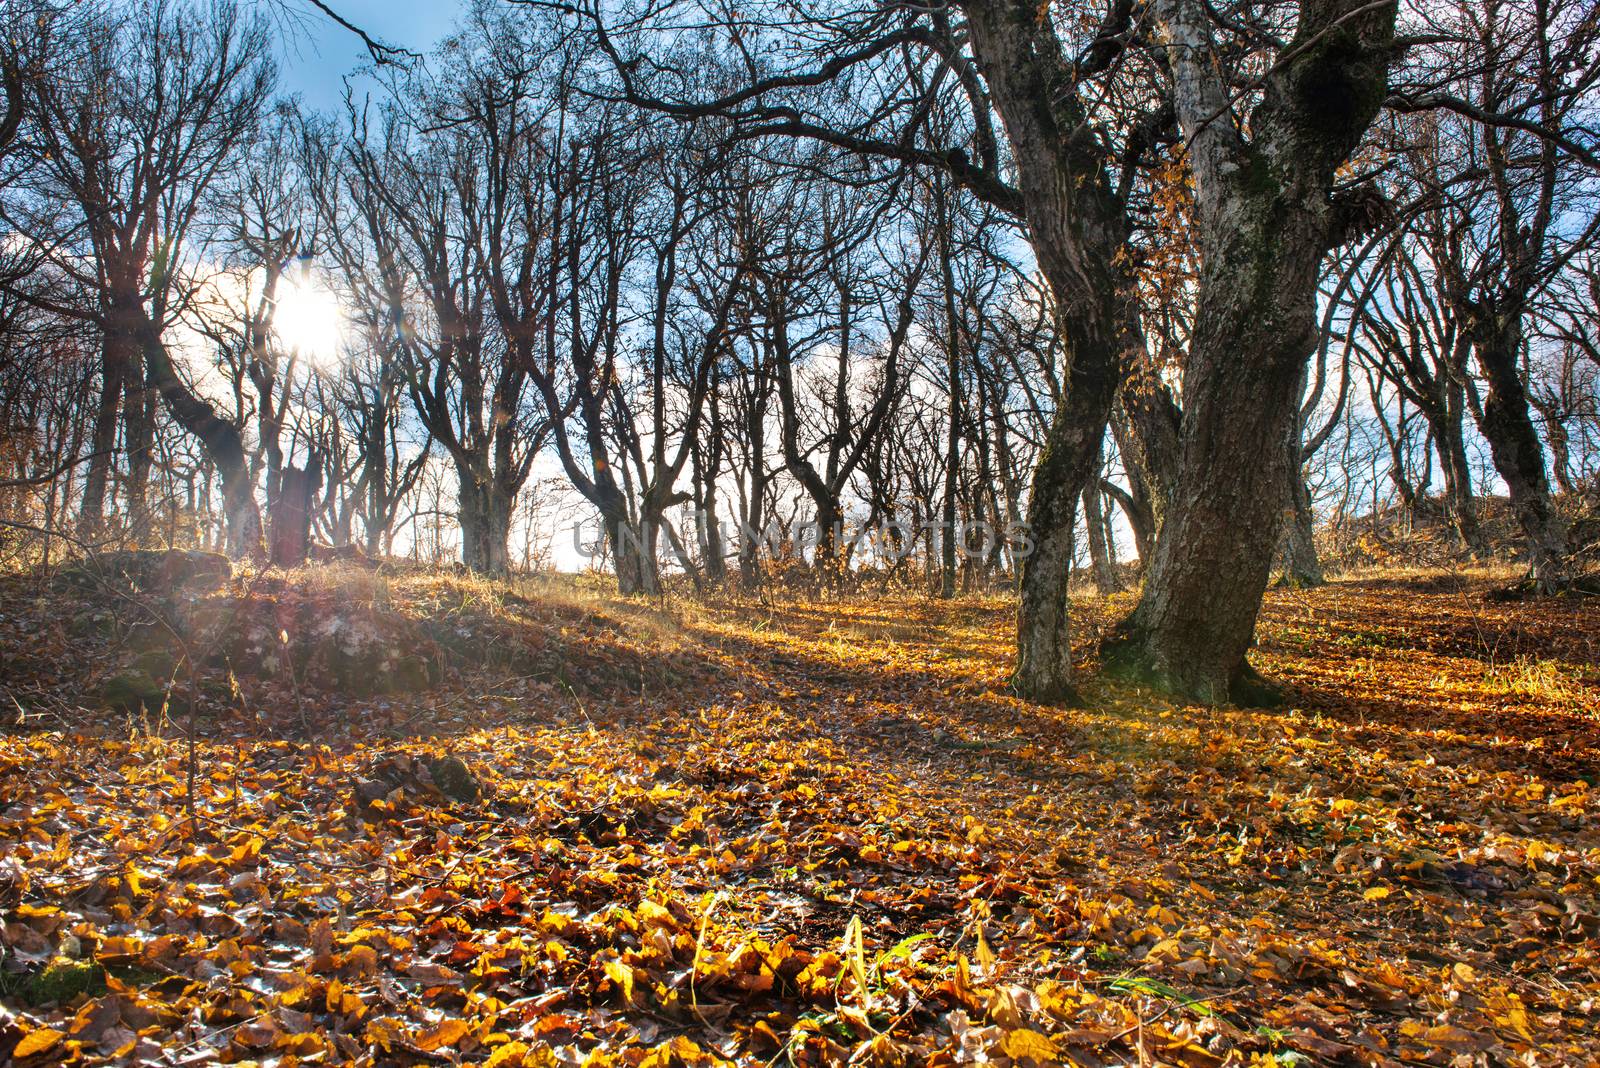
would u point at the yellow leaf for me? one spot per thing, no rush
(344, 1002)
(622, 975)
(362, 960)
(1030, 1044)
(856, 954)
(1517, 1018)
(673, 1052)
(986, 957)
(1454, 1039)
(247, 850)
(386, 1032)
(1377, 893)
(509, 1055)
(1538, 851)
(963, 980)
(36, 1042)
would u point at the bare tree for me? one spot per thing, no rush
(1504, 151)
(158, 98)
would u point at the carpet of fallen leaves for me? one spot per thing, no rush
(827, 836)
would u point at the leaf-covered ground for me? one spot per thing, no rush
(819, 834)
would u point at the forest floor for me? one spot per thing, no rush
(808, 833)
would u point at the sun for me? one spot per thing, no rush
(308, 320)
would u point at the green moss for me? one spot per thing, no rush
(61, 981)
(133, 975)
(1258, 178)
(131, 689)
(454, 779)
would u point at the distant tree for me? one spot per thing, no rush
(1504, 150)
(451, 192)
(133, 132)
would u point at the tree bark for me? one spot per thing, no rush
(1298, 562)
(1151, 445)
(114, 369)
(633, 554)
(751, 526)
(484, 508)
(1265, 214)
(1138, 501)
(1105, 571)
(1070, 458)
(291, 517)
(1078, 227)
(705, 467)
(138, 434)
(1507, 424)
(1197, 615)
(952, 440)
(1448, 424)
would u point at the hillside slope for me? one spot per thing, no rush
(605, 832)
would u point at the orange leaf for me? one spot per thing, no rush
(444, 1033)
(36, 1042)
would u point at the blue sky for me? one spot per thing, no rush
(314, 61)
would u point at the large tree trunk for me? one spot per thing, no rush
(750, 547)
(1197, 615)
(708, 531)
(1044, 646)
(1298, 563)
(708, 525)
(484, 508)
(138, 419)
(830, 527)
(375, 452)
(290, 538)
(1079, 229)
(952, 441)
(1151, 444)
(1448, 424)
(1266, 218)
(1070, 459)
(1138, 502)
(754, 499)
(829, 516)
(633, 554)
(1560, 440)
(1508, 426)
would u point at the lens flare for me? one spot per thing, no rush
(307, 319)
